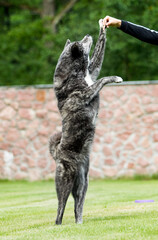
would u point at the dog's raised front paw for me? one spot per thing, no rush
(101, 25)
(118, 80)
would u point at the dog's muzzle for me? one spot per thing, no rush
(87, 43)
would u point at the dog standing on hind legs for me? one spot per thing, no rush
(77, 92)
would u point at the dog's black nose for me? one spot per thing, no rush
(87, 35)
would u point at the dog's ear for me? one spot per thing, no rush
(67, 43)
(76, 50)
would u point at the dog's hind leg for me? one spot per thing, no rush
(79, 191)
(64, 183)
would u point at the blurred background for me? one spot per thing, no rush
(32, 36)
(33, 33)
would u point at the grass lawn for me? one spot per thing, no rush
(28, 211)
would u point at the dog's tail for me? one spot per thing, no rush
(53, 143)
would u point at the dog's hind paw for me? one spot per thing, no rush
(118, 80)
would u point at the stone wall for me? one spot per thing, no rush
(126, 140)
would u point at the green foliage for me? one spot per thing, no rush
(29, 50)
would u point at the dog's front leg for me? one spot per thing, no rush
(98, 54)
(94, 89)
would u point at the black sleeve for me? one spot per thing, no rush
(140, 32)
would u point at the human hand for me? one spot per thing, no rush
(111, 22)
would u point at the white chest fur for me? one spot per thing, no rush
(88, 79)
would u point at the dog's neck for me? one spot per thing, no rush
(88, 79)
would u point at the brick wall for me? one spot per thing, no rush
(126, 140)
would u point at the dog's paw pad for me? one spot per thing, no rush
(118, 80)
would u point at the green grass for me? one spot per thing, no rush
(28, 211)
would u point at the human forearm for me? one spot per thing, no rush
(140, 32)
(137, 31)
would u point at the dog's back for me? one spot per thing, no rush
(78, 102)
(78, 116)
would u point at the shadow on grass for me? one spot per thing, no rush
(115, 218)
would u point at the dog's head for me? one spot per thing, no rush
(73, 60)
(77, 50)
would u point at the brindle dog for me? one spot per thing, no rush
(77, 92)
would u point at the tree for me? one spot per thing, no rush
(48, 8)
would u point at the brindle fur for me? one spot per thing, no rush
(78, 104)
